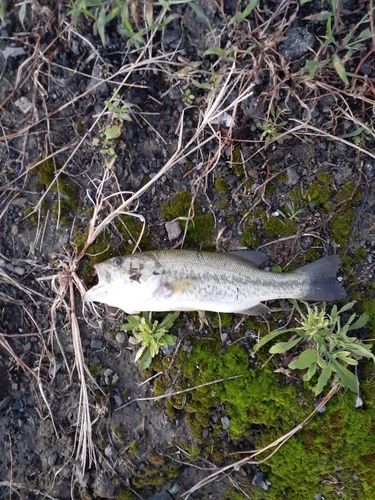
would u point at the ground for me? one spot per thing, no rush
(212, 125)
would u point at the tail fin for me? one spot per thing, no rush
(321, 278)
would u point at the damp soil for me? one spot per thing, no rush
(302, 196)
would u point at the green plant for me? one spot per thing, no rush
(97, 11)
(328, 350)
(118, 111)
(343, 48)
(292, 213)
(273, 128)
(188, 97)
(151, 335)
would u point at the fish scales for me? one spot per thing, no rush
(223, 278)
(178, 280)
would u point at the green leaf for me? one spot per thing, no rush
(323, 380)
(347, 378)
(346, 307)
(100, 24)
(310, 373)
(216, 51)
(360, 323)
(306, 359)
(281, 347)
(169, 320)
(22, 13)
(340, 69)
(145, 360)
(112, 132)
(199, 12)
(267, 338)
(241, 16)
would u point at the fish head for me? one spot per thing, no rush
(127, 282)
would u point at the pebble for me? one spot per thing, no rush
(96, 344)
(120, 337)
(173, 229)
(14, 230)
(260, 480)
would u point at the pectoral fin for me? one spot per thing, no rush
(256, 310)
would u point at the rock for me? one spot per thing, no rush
(120, 337)
(173, 229)
(260, 480)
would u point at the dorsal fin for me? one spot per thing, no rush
(251, 256)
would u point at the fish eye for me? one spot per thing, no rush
(118, 261)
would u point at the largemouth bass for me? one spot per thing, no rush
(187, 280)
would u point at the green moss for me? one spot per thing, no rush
(178, 206)
(224, 204)
(319, 192)
(299, 198)
(65, 207)
(360, 254)
(126, 495)
(323, 177)
(251, 235)
(221, 185)
(253, 398)
(341, 226)
(155, 474)
(274, 226)
(200, 231)
(223, 319)
(368, 306)
(327, 454)
(231, 219)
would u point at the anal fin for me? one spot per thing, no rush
(256, 310)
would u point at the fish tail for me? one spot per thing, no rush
(321, 279)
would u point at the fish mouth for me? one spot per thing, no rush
(99, 291)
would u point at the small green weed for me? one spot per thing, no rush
(151, 335)
(329, 348)
(188, 97)
(118, 113)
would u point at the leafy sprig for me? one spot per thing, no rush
(329, 348)
(152, 335)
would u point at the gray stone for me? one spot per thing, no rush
(173, 229)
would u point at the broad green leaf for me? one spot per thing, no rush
(305, 360)
(365, 34)
(323, 380)
(281, 347)
(169, 320)
(340, 69)
(145, 360)
(240, 16)
(112, 132)
(347, 306)
(360, 323)
(347, 378)
(139, 353)
(310, 373)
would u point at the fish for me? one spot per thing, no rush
(223, 282)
